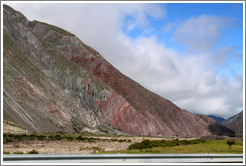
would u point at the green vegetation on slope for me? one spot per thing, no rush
(42, 137)
(7, 138)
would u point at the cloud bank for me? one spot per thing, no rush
(193, 79)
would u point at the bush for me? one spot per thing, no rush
(41, 137)
(57, 137)
(18, 153)
(96, 148)
(142, 145)
(33, 152)
(68, 138)
(113, 139)
(230, 143)
(80, 138)
(124, 140)
(163, 143)
(6, 152)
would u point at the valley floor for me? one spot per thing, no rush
(95, 145)
(64, 147)
(75, 144)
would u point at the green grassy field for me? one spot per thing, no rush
(209, 146)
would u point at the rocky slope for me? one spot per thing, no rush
(235, 123)
(54, 82)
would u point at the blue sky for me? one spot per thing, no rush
(231, 35)
(191, 54)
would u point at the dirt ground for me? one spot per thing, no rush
(104, 143)
(10, 127)
(74, 147)
(64, 147)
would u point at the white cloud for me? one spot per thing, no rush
(201, 33)
(189, 80)
(168, 27)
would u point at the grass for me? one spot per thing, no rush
(209, 146)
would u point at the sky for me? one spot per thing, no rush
(189, 53)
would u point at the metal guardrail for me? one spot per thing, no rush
(124, 158)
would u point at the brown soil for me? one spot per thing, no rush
(64, 147)
(74, 147)
(11, 127)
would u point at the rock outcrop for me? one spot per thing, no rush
(55, 82)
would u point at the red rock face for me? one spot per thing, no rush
(133, 109)
(116, 111)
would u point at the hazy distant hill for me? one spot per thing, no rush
(218, 119)
(235, 123)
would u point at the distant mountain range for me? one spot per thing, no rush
(54, 82)
(218, 119)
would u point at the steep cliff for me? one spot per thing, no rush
(55, 82)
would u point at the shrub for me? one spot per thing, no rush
(230, 143)
(68, 138)
(60, 132)
(162, 143)
(41, 137)
(122, 140)
(58, 137)
(18, 153)
(96, 148)
(80, 138)
(142, 145)
(33, 152)
(6, 152)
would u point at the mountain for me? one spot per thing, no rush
(54, 82)
(218, 119)
(235, 123)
